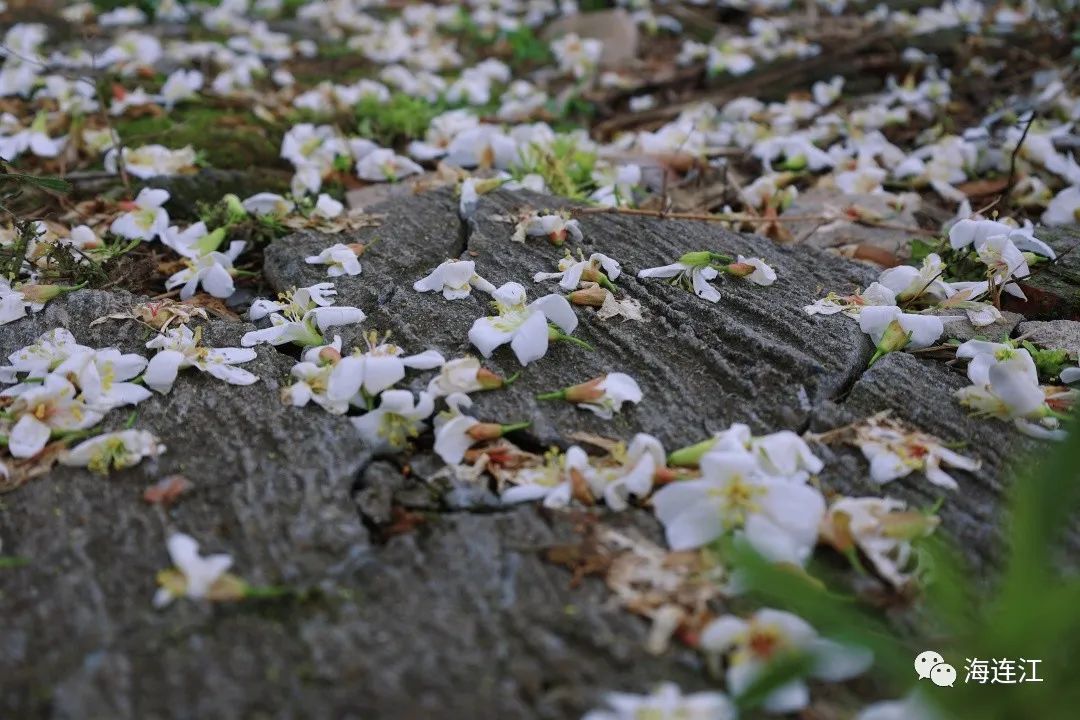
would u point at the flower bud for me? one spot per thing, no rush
(42, 293)
(895, 338)
(908, 525)
(234, 209)
(739, 269)
(696, 259)
(488, 380)
(580, 488)
(588, 391)
(594, 296)
(485, 431)
(329, 355)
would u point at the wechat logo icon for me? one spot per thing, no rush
(930, 665)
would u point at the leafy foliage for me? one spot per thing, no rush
(1048, 362)
(566, 168)
(403, 117)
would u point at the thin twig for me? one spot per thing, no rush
(1015, 153)
(704, 217)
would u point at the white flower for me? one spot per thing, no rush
(557, 228)
(341, 259)
(892, 329)
(894, 452)
(381, 366)
(180, 348)
(633, 475)
(43, 409)
(752, 645)
(761, 274)
(304, 316)
(213, 270)
(83, 237)
(572, 272)
(456, 432)
(47, 353)
(12, 303)
(863, 180)
(150, 161)
(102, 375)
(1064, 209)
(35, 139)
(116, 450)
(455, 278)
(882, 529)
(777, 516)
(327, 207)
(398, 419)
(912, 707)
(463, 375)
(553, 482)
(148, 219)
(181, 85)
(525, 327)
(384, 165)
(267, 203)
(693, 271)
(200, 573)
(666, 703)
(312, 375)
(452, 430)
(1007, 387)
(852, 305)
(577, 55)
(604, 395)
(484, 146)
(908, 283)
(782, 453)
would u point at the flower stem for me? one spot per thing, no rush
(556, 395)
(571, 339)
(513, 427)
(510, 380)
(268, 591)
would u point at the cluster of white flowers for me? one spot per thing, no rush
(61, 390)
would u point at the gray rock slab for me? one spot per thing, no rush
(919, 391)
(958, 327)
(1053, 335)
(460, 618)
(753, 357)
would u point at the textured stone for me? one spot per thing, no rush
(753, 357)
(919, 391)
(1053, 335)
(416, 598)
(958, 327)
(615, 28)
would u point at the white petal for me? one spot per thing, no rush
(28, 437)
(162, 369)
(530, 342)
